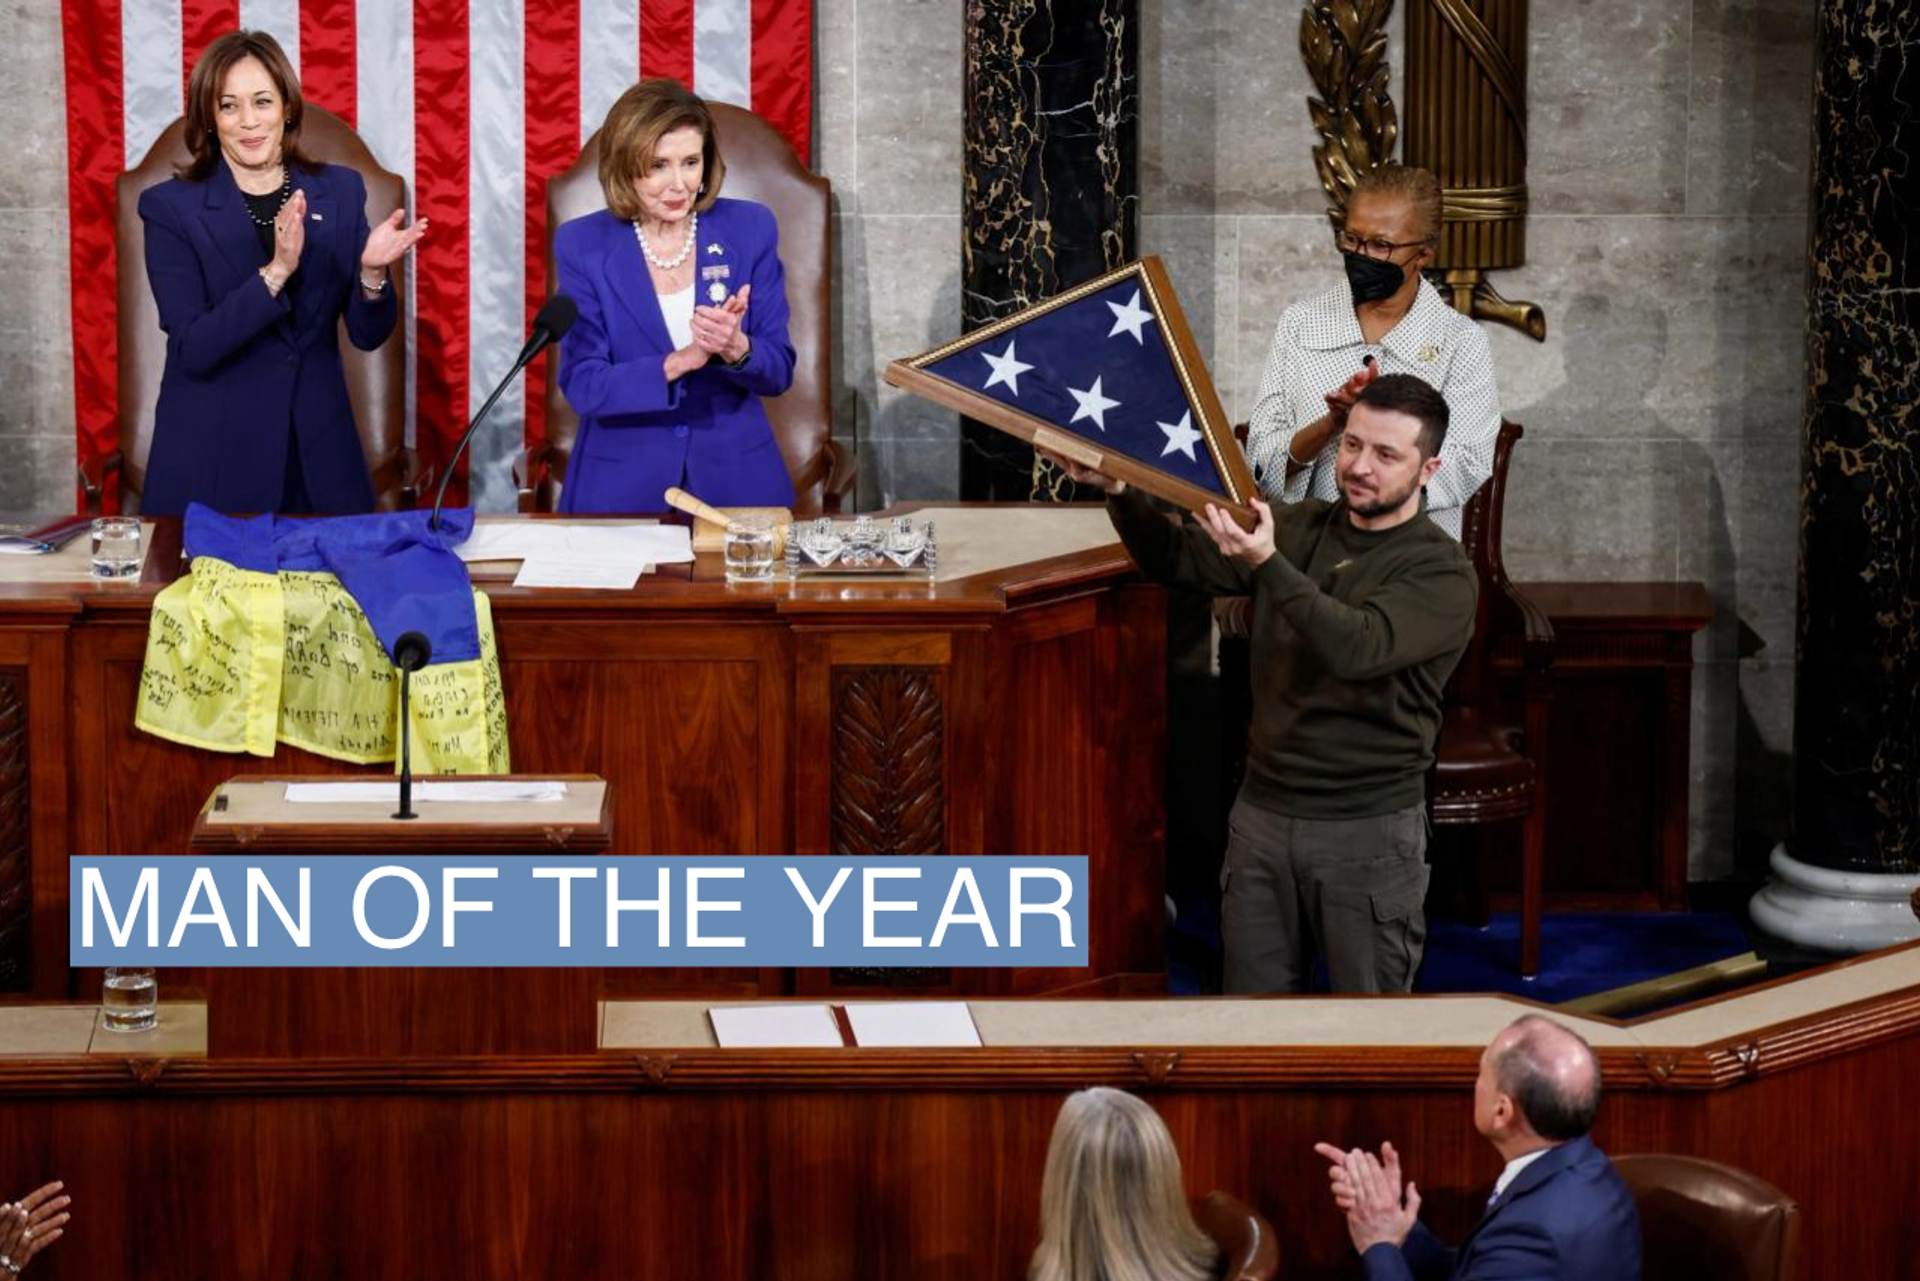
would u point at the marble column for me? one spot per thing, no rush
(1052, 95)
(1844, 882)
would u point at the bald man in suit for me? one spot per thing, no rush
(1558, 1211)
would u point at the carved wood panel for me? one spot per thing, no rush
(889, 763)
(889, 785)
(16, 841)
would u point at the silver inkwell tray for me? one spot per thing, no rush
(895, 547)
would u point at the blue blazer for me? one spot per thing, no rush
(640, 433)
(247, 373)
(1566, 1217)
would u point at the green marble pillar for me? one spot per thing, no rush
(1844, 883)
(1052, 121)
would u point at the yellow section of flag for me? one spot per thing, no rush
(238, 661)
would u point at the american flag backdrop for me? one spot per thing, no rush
(474, 103)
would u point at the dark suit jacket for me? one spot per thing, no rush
(1566, 1217)
(248, 374)
(640, 433)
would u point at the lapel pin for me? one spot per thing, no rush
(715, 248)
(1429, 354)
(717, 292)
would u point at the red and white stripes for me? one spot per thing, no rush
(475, 103)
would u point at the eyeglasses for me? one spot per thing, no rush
(1375, 248)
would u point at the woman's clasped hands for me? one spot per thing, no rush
(719, 333)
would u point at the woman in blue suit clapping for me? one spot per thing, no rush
(254, 254)
(682, 320)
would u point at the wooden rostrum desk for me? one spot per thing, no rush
(1014, 706)
(402, 1011)
(662, 1157)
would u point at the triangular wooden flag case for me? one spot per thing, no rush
(1106, 374)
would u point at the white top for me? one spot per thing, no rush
(678, 311)
(1512, 1172)
(1317, 346)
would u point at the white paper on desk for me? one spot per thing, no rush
(555, 571)
(485, 790)
(927, 1024)
(775, 1027)
(596, 543)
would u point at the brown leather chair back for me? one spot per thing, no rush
(1480, 532)
(761, 167)
(1703, 1221)
(1249, 1249)
(376, 380)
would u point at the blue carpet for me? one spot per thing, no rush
(1580, 952)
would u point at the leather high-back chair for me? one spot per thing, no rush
(760, 167)
(1249, 1250)
(1490, 763)
(376, 380)
(1704, 1221)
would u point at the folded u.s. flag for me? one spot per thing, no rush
(1106, 374)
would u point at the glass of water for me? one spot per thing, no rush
(749, 549)
(116, 547)
(129, 1001)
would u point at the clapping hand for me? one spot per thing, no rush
(1367, 1189)
(1341, 399)
(717, 330)
(30, 1225)
(290, 234)
(1249, 548)
(390, 241)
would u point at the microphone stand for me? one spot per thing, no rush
(466, 437)
(551, 325)
(411, 652)
(406, 758)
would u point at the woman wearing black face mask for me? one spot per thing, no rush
(1384, 318)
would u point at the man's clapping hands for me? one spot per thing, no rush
(1367, 1189)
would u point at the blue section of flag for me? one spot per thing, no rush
(1098, 368)
(404, 576)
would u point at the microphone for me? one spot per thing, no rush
(411, 652)
(549, 327)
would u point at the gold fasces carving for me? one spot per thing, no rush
(1344, 43)
(1466, 68)
(1492, 60)
(1483, 204)
(1469, 291)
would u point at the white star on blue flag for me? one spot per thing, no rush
(1092, 405)
(1180, 436)
(1131, 318)
(1007, 369)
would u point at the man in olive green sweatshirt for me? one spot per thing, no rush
(1360, 609)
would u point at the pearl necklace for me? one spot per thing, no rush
(686, 249)
(285, 193)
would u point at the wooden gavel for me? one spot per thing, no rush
(709, 534)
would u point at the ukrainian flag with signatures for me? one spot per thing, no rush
(282, 634)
